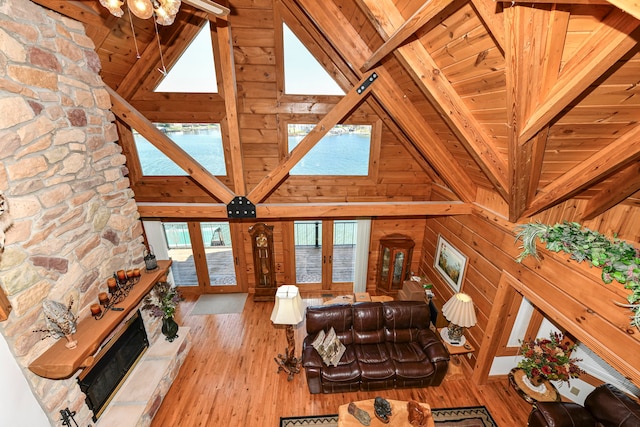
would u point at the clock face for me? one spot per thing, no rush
(261, 241)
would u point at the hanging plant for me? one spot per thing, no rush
(619, 260)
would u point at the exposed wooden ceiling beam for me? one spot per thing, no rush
(81, 11)
(616, 155)
(533, 63)
(435, 86)
(597, 54)
(632, 7)
(227, 66)
(346, 40)
(352, 99)
(424, 14)
(622, 185)
(135, 120)
(491, 14)
(310, 210)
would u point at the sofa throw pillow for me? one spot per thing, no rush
(329, 347)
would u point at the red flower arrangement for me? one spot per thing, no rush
(549, 358)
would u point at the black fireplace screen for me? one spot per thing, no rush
(115, 360)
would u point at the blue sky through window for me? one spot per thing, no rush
(194, 71)
(303, 74)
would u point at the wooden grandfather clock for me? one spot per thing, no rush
(264, 265)
(395, 263)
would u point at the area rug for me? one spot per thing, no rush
(219, 304)
(473, 416)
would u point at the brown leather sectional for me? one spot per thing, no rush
(605, 406)
(388, 345)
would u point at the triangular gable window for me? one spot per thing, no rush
(303, 74)
(194, 72)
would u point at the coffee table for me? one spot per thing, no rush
(399, 415)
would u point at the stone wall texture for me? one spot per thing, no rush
(63, 174)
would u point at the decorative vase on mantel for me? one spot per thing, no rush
(169, 328)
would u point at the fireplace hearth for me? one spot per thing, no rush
(113, 364)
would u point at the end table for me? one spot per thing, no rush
(455, 364)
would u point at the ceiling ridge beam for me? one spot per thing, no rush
(532, 68)
(439, 91)
(424, 14)
(624, 184)
(347, 104)
(599, 52)
(616, 155)
(128, 114)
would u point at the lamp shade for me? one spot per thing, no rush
(289, 308)
(460, 311)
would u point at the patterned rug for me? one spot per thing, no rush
(473, 416)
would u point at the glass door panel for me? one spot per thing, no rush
(308, 251)
(344, 251)
(216, 237)
(181, 252)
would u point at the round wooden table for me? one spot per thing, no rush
(550, 393)
(399, 415)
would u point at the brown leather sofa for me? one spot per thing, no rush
(606, 406)
(388, 345)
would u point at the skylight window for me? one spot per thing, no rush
(203, 142)
(343, 151)
(194, 72)
(303, 74)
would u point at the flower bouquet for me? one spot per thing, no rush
(162, 302)
(549, 359)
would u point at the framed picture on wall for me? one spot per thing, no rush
(450, 263)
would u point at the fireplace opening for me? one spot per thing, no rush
(113, 364)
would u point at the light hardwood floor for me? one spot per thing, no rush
(229, 378)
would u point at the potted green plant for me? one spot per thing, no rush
(619, 260)
(549, 358)
(162, 302)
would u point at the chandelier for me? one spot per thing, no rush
(164, 11)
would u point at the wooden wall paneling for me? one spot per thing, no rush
(500, 314)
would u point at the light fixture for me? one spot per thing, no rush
(164, 11)
(114, 6)
(460, 313)
(288, 310)
(143, 9)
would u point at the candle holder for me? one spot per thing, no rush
(119, 289)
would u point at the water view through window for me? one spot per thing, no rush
(203, 142)
(344, 150)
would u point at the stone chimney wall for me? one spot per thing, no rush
(63, 174)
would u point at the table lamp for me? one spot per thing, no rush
(288, 310)
(460, 313)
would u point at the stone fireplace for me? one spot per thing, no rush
(75, 217)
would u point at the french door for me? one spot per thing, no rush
(204, 257)
(325, 254)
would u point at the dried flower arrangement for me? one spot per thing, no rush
(549, 358)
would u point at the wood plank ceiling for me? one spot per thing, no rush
(536, 102)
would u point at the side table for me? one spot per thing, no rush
(455, 364)
(548, 392)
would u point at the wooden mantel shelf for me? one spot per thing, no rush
(59, 362)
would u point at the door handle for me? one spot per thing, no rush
(330, 259)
